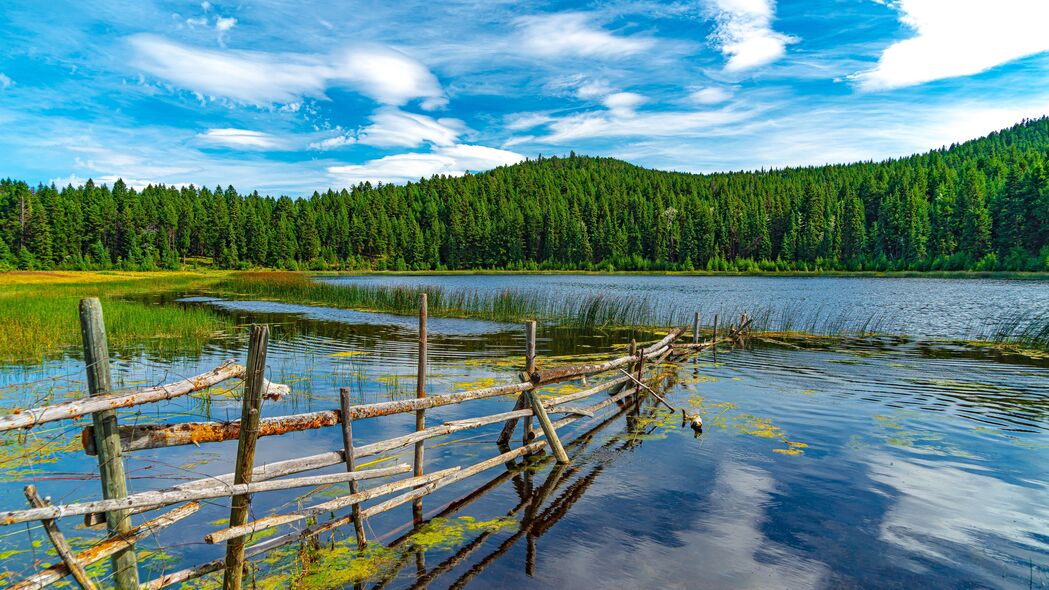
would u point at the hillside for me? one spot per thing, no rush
(983, 204)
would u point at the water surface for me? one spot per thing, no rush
(934, 308)
(879, 462)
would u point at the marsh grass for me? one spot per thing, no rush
(39, 314)
(591, 312)
(510, 305)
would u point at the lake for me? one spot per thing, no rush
(878, 461)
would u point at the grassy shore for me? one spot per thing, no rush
(38, 311)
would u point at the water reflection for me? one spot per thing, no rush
(922, 465)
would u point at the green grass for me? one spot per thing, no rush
(39, 313)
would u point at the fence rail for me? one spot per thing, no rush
(107, 439)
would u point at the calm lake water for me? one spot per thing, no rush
(883, 462)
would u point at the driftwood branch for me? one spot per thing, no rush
(106, 548)
(59, 541)
(650, 390)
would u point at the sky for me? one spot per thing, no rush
(289, 97)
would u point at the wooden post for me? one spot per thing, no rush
(522, 400)
(715, 339)
(347, 442)
(65, 552)
(640, 374)
(695, 329)
(529, 369)
(537, 406)
(107, 438)
(420, 393)
(249, 430)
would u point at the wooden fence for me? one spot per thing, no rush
(108, 440)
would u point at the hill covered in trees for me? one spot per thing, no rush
(981, 205)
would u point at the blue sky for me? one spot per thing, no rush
(291, 97)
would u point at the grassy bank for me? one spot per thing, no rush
(38, 311)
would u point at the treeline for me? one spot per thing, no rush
(981, 205)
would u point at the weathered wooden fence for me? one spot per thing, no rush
(108, 440)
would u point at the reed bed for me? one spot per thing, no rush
(516, 305)
(1021, 330)
(510, 305)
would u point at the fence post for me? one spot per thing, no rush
(529, 369)
(522, 400)
(251, 405)
(347, 443)
(537, 406)
(715, 347)
(107, 438)
(420, 393)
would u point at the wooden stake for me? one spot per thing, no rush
(529, 369)
(107, 438)
(715, 339)
(522, 400)
(347, 441)
(59, 541)
(249, 420)
(420, 393)
(695, 329)
(548, 428)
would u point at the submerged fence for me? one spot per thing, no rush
(108, 440)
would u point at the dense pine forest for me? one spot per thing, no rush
(981, 205)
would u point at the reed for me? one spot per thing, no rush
(1020, 329)
(505, 306)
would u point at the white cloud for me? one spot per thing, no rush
(622, 104)
(453, 160)
(263, 78)
(240, 138)
(580, 86)
(109, 179)
(622, 120)
(335, 142)
(574, 34)
(5, 81)
(522, 121)
(709, 95)
(391, 127)
(223, 25)
(744, 33)
(958, 38)
(395, 128)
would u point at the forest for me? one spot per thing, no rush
(980, 205)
